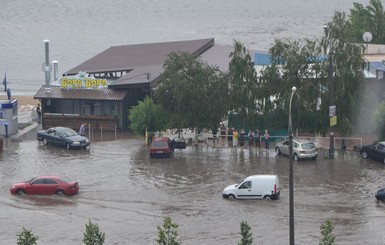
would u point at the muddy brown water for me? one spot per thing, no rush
(127, 194)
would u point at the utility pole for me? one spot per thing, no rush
(332, 107)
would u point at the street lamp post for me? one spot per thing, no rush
(331, 96)
(291, 188)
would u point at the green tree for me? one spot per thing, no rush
(92, 235)
(148, 115)
(168, 233)
(367, 19)
(306, 65)
(243, 86)
(348, 76)
(326, 232)
(192, 93)
(26, 237)
(379, 117)
(247, 236)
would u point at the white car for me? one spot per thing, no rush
(302, 149)
(254, 187)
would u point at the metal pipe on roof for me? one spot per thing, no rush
(46, 67)
(55, 70)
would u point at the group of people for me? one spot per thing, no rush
(234, 137)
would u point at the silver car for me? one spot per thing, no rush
(302, 149)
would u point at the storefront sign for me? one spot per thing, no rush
(82, 80)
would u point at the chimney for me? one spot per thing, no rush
(55, 70)
(47, 68)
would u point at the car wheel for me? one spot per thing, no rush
(364, 155)
(60, 192)
(314, 158)
(295, 157)
(45, 141)
(231, 197)
(20, 192)
(68, 146)
(267, 197)
(278, 151)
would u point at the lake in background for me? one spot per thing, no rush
(78, 30)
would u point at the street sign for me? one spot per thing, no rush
(332, 111)
(333, 121)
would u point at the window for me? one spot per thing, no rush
(49, 181)
(245, 185)
(38, 182)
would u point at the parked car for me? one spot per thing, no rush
(161, 147)
(62, 136)
(46, 185)
(302, 149)
(380, 195)
(374, 151)
(254, 187)
(178, 143)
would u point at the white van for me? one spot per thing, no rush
(254, 187)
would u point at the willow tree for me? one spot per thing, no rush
(192, 93)
(367, 19)
(243, 94)
(293, 64)
(306, 65)
(347, 70)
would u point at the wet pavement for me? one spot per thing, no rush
(127, 194)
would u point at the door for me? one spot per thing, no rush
(35, 187)
(245, 191)
(50, 186)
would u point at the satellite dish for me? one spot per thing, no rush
(367, 37)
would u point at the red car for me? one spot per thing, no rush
(46, 185)
(161, 147)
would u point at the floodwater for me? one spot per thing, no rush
(127, 194)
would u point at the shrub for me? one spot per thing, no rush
(92, 235)
(26, 238)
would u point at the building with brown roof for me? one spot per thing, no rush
(129, 71)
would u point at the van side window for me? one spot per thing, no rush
(245, 185)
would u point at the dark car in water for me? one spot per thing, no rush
(46, 185)
(161, 147)
(178, 143)
(380, 195)
(374, 151)
(62, 136)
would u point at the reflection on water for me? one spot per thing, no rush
(128, 193)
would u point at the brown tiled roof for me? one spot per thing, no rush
(56, 92)
(128, 57)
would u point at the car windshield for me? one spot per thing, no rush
(308, 145)
(68, 132)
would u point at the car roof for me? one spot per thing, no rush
(261, 176)
(161, 139)
(301, 140)
(48, 177)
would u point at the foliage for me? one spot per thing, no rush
(147, 114)
(244, 89)
(192, 93)
(247, 236)
(379, 116)
(367, 19)
(92, 235)
(320, 70)
(168, 233)
(26, 237)
(326, 232)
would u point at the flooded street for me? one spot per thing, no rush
(127, 194)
